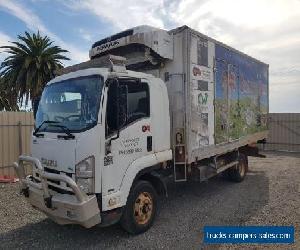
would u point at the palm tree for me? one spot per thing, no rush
(31, 64)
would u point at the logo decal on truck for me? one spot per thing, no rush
(130, 151)
(202, 98)
(107, 46)
(146, 128)
(196, 71)
(108, 160)
(131, 146)
(50, 163)
(202, 73)
(131, 142)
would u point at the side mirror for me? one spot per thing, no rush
(35, 105)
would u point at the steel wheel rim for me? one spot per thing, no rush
(143, 208)
(241, 168)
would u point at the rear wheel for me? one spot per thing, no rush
(140, 209)
(238, 172)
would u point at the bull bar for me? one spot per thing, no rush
(79, 208)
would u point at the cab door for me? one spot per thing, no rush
(128, 129)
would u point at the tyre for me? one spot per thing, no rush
(238, 172)
(140, 210)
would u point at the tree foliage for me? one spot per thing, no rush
(8, 97)
(31, 63)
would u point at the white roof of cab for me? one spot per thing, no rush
(84, 72)
(105, 72)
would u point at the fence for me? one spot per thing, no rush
(16, 127)
(15, 131)
(284, 132)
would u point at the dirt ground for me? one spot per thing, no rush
(270, 195)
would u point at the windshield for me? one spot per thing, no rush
(73, 103)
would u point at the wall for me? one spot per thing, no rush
(284, 132)
(15, 131)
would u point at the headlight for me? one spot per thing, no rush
(85, 171)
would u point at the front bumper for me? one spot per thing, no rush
(79, 208)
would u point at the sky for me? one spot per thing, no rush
(268, 30)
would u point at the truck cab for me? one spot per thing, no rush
(98, 128)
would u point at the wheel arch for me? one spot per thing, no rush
(157, 182)
(144, 169)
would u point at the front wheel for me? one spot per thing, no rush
(140, 210)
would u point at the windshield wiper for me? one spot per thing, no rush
(54, 124)
(35, 133)
(65, 130)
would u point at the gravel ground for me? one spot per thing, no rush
(270, 195)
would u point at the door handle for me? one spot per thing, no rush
(149, 143)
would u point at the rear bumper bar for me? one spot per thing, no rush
(79, 208)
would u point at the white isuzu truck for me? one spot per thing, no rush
(110, 132)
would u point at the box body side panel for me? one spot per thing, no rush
(228, 98)
(241, 95)
(218, 96)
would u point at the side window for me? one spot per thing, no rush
(138, 104)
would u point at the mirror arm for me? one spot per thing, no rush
(116, 137)
(108, 145)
